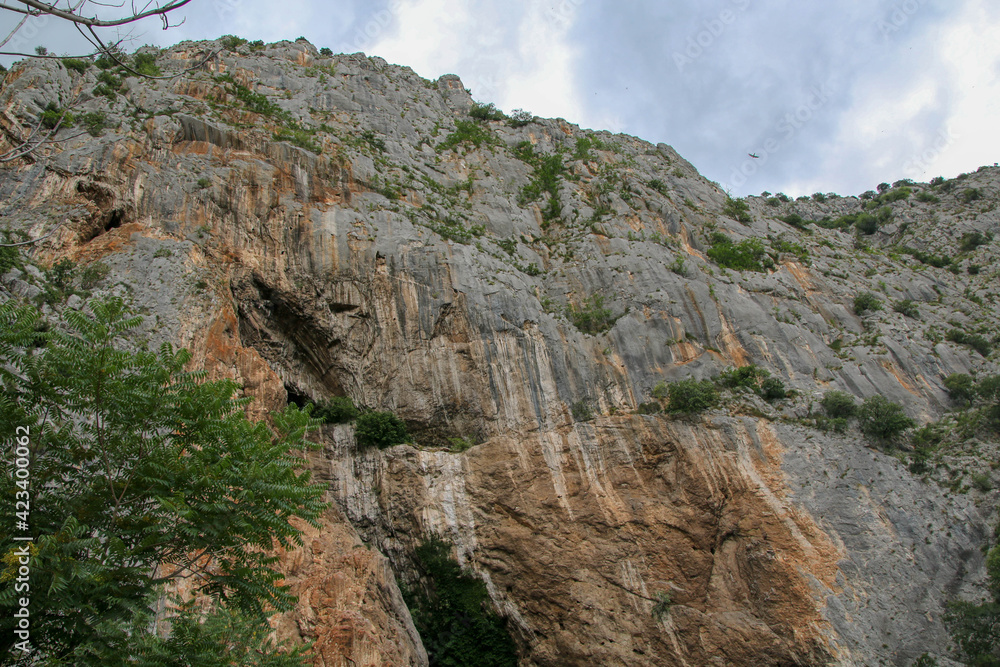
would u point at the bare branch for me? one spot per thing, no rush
(68, 15)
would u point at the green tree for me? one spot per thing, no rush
(691, 396)
(380, 429)
(142, 474)
(881, 419)
(451, 610)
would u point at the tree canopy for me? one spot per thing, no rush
(140, 475)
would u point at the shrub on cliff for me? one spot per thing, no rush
(691, 396)
(883, 420)
(839, 404)
(380, 429)
(337, 410)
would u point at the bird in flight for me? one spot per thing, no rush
(753, 155)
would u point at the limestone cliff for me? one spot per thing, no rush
(317, 226)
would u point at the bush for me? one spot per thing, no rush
(977, 342)
(747, 255)
(469, 131)
(773, 389)
(326, 52)
(839, 404)
(232, 42)
(591, 317)
(93, 274)
(581, 411)
(660, 390)
(971, 195)
(865, 302)
(380, 429)
(54, 115)
(744, 377)
(520, 118)
(75, 64)
(737, 209)
(972, 240)
(883, 420)
(961, 388)
(94, 122)
(486, 112)
(793, 219)
(649, 408)
(927, 197)
(145, 64)
(908, 308)
(337, 410)
(691, 396)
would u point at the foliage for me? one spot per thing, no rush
(581, 411)
(793, 219)
(927, 197)
(145, 64)
(659, 391)
(299, 136)
(977, 342)
(677, 266)
(380, 429)
(839, 404)
(937, 261)
(747, 255)
(548, 172)
(970, 195)
(881, 419)
(141, 472)
(975, 629)
(54, 115)
(737, 209)
(336, 410)
(486, 112)
(649, 408)
(75, 64)
(469, 131)
(93, 273)
(866, 302)
(232, 42)
(591, 317)
(907, 308)
(94, 122)
(972, 240)
(773, 389)
(662, 606)
(961, 388)
(220, 636)
(691, 396)
(744, 377)
(451, 611)
(453, 230)
(520, 118)
(326, 52)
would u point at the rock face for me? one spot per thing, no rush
(321, 226)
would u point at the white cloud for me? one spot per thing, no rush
(515, 55)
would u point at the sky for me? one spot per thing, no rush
(831, 97)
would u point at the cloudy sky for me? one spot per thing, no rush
(832, 97)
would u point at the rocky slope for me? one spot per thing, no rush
(317, 226)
